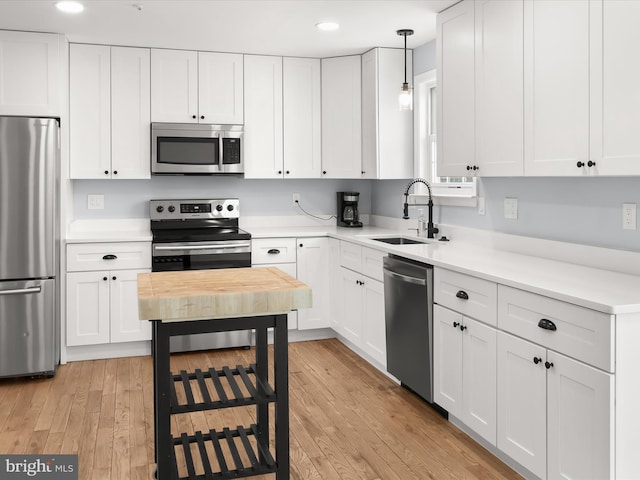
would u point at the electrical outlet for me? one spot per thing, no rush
(296, 198)
(95, 202)
(511, 208)
(481, 206)
(629, 216)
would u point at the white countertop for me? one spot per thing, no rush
(603, 290)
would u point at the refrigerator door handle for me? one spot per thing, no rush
(21, 290)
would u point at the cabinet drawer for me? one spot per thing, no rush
(273, 250)
(84, 257)
(372, 263)
(471, 296)
(580, 332)
(351, 256)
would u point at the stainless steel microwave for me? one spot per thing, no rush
(196, 149)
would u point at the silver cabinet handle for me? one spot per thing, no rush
(21, 290)
(406, 278)
(203, 247)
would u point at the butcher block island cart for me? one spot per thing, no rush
(204, 301)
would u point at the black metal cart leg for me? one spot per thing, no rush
(262, 374)
(161, 382)
(281, 370)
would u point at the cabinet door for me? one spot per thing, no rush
(456, 86)
(174, 86)
(370, 114)
(335, 285)
(220, 87)
(29, 74)
(125, 324)
(351, 306)
(90, 111)
(88, 308)
(374, 337)
(302, 128)
(522, 401)
(479, 378)
(313, 269)
(263, 142)
(580, 403)
(447, 360)
(499, 87)
(341, 117)
(615, 104)
(130, 112)
(556, 108)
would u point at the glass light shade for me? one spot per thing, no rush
(405, 100)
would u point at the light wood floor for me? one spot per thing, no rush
(348, 421)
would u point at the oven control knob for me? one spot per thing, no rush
(219, 207)
(230, 208)
(159, 209)
(171, 208)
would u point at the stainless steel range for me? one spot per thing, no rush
(197, 235)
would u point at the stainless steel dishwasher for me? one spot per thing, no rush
(408, 298)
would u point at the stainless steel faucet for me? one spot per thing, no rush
(431, 229)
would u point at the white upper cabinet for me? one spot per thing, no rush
(556, 50)
(302, 117)
(174, 86)
(130, 112)
(29, 74)
(499, 96)
(387, 132)
(90, 111)
(456, 90)
(220, 84)
(263, 141)
(341, 117)
(615, 77)
(196, 87)
(109, 112)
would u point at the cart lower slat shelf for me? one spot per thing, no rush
(249, 458)
(196, 389)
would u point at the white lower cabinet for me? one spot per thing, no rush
(555, 414)
(313, 270)
(102, 293)
(464, 353)
(361, 316)
(102, 307)
(279, 253)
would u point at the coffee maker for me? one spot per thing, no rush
(348, 209)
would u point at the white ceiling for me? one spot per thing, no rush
(279, 27)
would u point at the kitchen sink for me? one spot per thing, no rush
(398, 240)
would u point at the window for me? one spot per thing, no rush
(445, 190)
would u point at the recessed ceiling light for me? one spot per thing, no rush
(70, 7)
(327, 26)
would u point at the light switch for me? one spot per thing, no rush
(511, 208)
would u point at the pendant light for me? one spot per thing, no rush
(405, 100)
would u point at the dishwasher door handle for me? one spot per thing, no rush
(406, 278)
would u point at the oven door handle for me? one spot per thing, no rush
(202, 247)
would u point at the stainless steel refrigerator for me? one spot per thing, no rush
(29, 319)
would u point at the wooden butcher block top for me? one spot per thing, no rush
(221, 293)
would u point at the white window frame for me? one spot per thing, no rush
(443, 193)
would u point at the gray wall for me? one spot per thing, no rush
(129, 198)
(424, 58)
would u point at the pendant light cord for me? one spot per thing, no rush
(405, 59)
